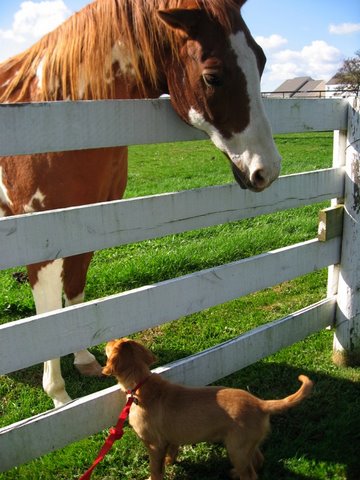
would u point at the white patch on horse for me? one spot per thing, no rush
(4, 196)
(47, 291)
(83, 357)
(2, 212)
(120, 55)
(8, 81)
(39, 74)
(255, 144)
(37, 197)
(53, 84)
(54, 384)
(83, 82)
(252, 150)
(74, 301)
(5, 84)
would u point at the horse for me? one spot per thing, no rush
(200, 52)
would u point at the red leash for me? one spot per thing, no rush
(115, 432)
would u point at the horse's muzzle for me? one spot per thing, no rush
(257, 182)
(243, 181)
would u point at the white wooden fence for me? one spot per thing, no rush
(34, 237)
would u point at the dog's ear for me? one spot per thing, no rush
(114, 359)
(109, 368)
(144, 353)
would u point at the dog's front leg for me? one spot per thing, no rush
(157, 461)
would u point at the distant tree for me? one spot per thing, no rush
(349, 74)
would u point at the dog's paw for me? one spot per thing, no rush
(258, 460)
(249, 474)
(171, 454)
(169, 460)
(233, 474)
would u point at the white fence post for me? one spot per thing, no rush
(347, 336)
(339, 160)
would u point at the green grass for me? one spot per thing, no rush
(318, 440)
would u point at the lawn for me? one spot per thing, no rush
(318, 440)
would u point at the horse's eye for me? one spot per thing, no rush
(213, 79)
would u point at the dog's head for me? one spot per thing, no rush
(126, 355)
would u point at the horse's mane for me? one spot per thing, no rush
(81, 48)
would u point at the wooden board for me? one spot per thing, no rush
(52, 430)
(307, 115)
(330, 222)
(34, 237)
(60, 126)
(71, 329)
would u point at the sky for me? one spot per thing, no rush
(300, 38)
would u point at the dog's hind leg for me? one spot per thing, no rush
(258, 459)
(171, 454)
(157, 455)
(241, 456)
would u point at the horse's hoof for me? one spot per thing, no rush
(92, 369)
(60, 402)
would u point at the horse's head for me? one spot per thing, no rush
(214, 84)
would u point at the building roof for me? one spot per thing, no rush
(293, 84)
(307, 87)
(310, 89)
(333, 81)
(299, 87)
(290, 87)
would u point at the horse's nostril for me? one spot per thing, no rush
(258, 179)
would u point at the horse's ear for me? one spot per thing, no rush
(240, 2)
(185, 20)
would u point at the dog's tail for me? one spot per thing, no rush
(279, 406)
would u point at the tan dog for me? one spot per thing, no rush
(167, 415)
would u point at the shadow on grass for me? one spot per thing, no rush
(318, 439)
(324, 430)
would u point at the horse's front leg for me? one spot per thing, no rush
(74, 278)
(54, 384)
(46, 283)
(84, 361)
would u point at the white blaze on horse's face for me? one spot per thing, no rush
(255, 159)
(215, 86)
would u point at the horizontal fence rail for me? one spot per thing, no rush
(52, 430)
(60, 126)
(73, 328)
(34, 237)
